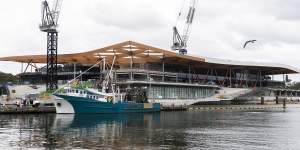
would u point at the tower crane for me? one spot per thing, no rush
(49, 25)
(180, 40)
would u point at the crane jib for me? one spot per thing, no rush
(180, 40)
(190, 16)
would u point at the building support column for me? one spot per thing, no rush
(21, 67)
(283, 80)
(246, 78)
(116, 76)
(259, 77)
(163, 69)
(100, 69)
(230, 82)
(103, 67)
(190, 81)
(131, 73)
(148, 76)
(280, 93)
(74, 70)
(284, 99)
(28, 64)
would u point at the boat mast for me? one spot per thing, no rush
(107, 77)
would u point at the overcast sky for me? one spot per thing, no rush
(220, 28)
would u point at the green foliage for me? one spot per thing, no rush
(83, 85)
(295, 86)
(5, 77)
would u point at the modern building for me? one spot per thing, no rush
(168, 77)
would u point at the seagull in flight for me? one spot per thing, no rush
(247, 42)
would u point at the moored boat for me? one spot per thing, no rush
(89, 100)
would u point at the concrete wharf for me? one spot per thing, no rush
(10, 109)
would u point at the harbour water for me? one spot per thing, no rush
(275, 129)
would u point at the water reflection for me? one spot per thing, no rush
(166, 130)
(106, 130)
(25, 131)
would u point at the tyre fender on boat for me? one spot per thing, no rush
(109, 98)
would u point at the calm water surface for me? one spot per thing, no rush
(166, 130)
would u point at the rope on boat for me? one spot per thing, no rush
(78, 76)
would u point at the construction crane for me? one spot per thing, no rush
(180, 40)
(49, 25)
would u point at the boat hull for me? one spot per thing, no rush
(86, 105)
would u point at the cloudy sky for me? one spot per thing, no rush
(220, 28)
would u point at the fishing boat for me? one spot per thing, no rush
(82, 97)
(90, 100)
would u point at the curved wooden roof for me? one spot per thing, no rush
(124, 52)
(138, 53)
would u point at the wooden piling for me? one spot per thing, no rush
(262, 100)
(284, 103)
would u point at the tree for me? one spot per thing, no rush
(7, 77)
(295, 86)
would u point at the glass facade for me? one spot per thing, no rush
(164, 92)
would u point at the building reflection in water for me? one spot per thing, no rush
(50, 131)
(165, 130)
(108, 130)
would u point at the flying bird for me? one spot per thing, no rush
(247, 42)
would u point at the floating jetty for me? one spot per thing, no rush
(234, 107)
(252, 107)
(51, 109)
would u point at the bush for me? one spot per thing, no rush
(7, 77)
(295, 86)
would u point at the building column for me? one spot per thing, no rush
(190, 81)
(104, 61)
(247, 75)
(74, 70)
(280, 93)
(259, 77)
(148, 76)
(230, 82)
(163, 69)
(131, 73)
(104, 67)
(282, 77)
(21, 67)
